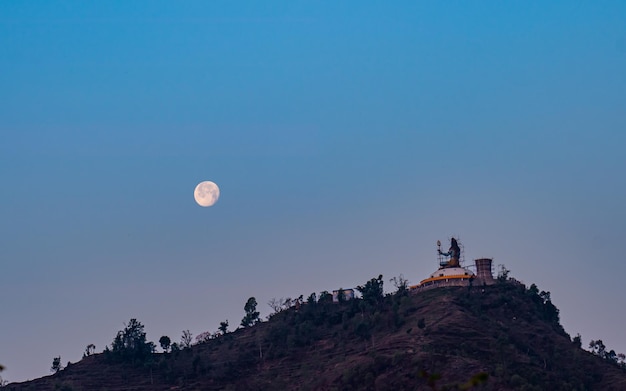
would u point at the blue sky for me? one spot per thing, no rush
(346, 140)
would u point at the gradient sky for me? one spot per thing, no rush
(346, 138)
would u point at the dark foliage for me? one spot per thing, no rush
(501, 337)
(372, 291)
(252, 315)
(130, 344)
(56, 365)
(165, 343)
(223, 327)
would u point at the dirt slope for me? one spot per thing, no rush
(506, 331)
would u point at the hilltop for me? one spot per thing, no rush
(397, 342)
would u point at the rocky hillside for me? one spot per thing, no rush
(505, 337)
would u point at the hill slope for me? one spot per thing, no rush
(507, 331)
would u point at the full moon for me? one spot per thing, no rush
(206, 193)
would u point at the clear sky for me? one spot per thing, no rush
(346, 138)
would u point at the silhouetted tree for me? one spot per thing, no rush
(279, 305)
(341, 296)
(577, 341)
(130, 344)
(276, 305)
(89, 350)
(503, 274)
(224, 327)
(598, 348)
(203, 337)
(252, 315)
(325, 297)
(550, 311)
(372, 291)
(611, 356)
(185, 339)
(56, 365)
(401, 284)
(545, 296)
(621, 360)
(165, 343)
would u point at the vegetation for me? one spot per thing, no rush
(89, 350)
(56, 365)
(186, 339)
(372, 291)
(577, 341)
(325, 297)
(223, 327)
(401, 284)
(252, 315)
(599, 349)
(500, 337)
(503, 274)
(2, 381)
(130, 344)
(165, 343)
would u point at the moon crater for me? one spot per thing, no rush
(206, 193)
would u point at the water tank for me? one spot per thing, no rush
(483, 271)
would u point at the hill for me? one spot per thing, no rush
(398, 342)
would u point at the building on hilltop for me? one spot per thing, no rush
(451, 272)
(347, 294)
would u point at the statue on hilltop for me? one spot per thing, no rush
(454, 253)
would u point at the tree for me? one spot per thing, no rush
(203, 337)
(165, 343)
(401, 284)
(89, 350)
(185, 339)
(545, 296)
(276, 305)
(279, 305)
(341, 296)
(252, 315)
(325, 297)
(130, 344)
(611, 356)
(598, 348)
(577, 341)
(621, 360)
(550, 311)
(372, 291)
(56, 365)
(503, 274)
(224, 327)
